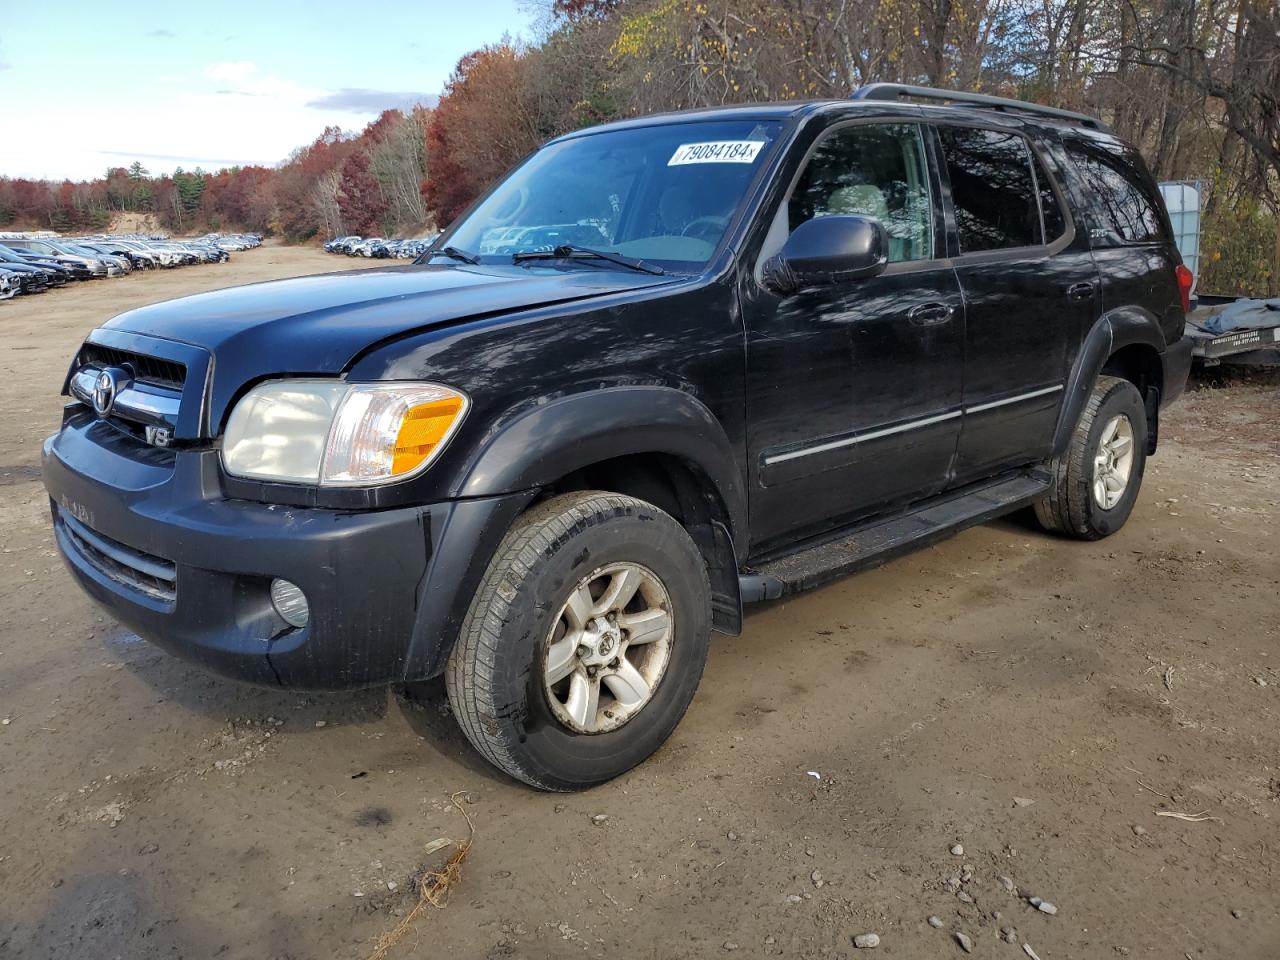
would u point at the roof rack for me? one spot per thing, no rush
(899, 91)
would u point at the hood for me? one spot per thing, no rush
(319, 324)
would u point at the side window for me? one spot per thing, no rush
(992, 189)
(1121, 197)
(875, 170)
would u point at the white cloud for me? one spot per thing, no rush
(227, 111)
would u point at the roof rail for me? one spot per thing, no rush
(899, 91)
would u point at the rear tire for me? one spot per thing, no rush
(1096, 481)
(557, 677)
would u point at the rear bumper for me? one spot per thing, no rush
(1177, 367)
(190, 571)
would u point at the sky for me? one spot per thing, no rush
(86, 85)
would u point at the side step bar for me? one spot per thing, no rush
(873, 542)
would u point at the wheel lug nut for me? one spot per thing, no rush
(582, 650)
(613, 664)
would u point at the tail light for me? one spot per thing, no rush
(1185, 281)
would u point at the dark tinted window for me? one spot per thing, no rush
(871, 170)
(1119, 191)
(991, 188)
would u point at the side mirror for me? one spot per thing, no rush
(829, 250)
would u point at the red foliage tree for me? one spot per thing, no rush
(482, 125)
(360, 198)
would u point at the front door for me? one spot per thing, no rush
(854, 389)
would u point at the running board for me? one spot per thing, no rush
(873, 542)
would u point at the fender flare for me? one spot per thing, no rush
(1112, 331)
(543, 443)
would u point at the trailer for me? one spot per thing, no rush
(1222, 329)
(1254, 342)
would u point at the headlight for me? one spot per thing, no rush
(339, 434)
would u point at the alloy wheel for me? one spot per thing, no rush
(1113, 463)
(608, 648)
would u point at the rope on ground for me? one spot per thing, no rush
(433, 889)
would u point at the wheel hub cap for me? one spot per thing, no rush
(608, 648)
(1113, 463)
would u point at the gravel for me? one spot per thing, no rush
(1044, 906)
(866, 941)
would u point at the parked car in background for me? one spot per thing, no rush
(32, 262)
(35, 281)
(55, 274)
(56, 251)
(120, 263)
(379, 247)
(104, 248)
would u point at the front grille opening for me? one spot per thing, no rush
(148, 574)
(161, 373)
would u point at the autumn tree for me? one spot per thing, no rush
(485, 122)
(359, 196)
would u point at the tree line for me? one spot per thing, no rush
(365, 183)
(1194, 83)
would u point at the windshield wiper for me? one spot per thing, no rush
(455, 254)
(571, 251)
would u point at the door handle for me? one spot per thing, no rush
(930, 314)
(1080, 291)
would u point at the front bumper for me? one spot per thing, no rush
(1177, 368)
(189, 570)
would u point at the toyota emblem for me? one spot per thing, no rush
(104, 393)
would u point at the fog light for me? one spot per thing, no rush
(290, 602)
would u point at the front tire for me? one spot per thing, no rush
(1096, 481)
(585, 642)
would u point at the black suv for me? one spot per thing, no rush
(665, 367)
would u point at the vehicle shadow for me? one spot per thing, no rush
(425, 708)
(193, 689)
(424, 705)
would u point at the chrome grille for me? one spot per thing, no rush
(162, 373)
(154, 576)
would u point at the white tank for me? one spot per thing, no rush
(1182, 199)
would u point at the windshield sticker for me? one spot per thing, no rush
(716, 151)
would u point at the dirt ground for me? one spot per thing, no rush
(1038, 701)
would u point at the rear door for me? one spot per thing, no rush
(1030, 291)
(1132, 242)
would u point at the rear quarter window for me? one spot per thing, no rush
(1120, 191)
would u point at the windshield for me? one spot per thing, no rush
(664, 194)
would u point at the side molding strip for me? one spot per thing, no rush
(904, 427)
(862, 437)
(1008, 400)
